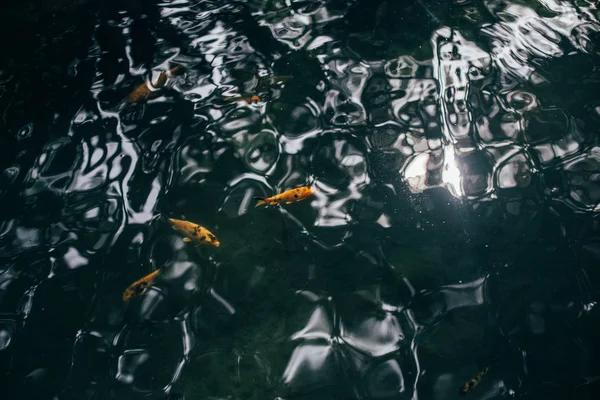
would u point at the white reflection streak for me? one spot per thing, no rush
(128, 362)
(311, 356)
(147, 210)
(413, 349)
(410, 318)
(463, 295)
(245, 203)
(222, 301)
(188, 339)
(511, 48)
(27, 305)
(374, 336)
(248, 175)
(450, 172)
(128, 148)
(188, 344)
(318, 326)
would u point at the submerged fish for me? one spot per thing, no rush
(248, 99)
(268, 81)
(287, 197)
(140, 286)
(149, 89)
(194, 232)
(473, 382)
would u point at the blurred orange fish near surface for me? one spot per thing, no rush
(194, 232)
(287, 197)
(248, 99)
(472, 383)
(140, 286)
(149, 90)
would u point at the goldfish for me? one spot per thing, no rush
(287, 197)
(149, 90)
(194, 233)
(249, 99)
(140, 286)
(473, 382)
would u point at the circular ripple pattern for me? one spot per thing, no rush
(455, 149)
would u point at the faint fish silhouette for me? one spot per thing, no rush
(264, 83)
(149, 90)
(268, 81)
(473, 382)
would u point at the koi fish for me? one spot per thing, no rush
(140, 286)
(149, 90)
(473, 382)
(287, 197)
(249, 99)
(194, 233)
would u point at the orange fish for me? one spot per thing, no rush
(249, 99)
(287, 197)
(149, 90)
(194, 233)
(140, 286)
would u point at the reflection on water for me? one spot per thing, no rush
(454, 146)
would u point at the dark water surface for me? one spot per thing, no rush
(456, 150)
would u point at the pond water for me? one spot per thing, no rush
(453, 148)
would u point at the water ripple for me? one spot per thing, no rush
(454, 157)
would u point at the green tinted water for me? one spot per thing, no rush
(454, 146)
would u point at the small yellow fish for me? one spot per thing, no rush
(149, 90)
(249, 99)
(140, 286)
(194, 233)
(287, 197)
(472, 383)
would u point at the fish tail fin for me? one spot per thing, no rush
(162, 215)
(261, 201)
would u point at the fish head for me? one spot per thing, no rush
(306, 192)
(212, 240)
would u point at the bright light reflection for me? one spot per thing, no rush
(451, 173)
